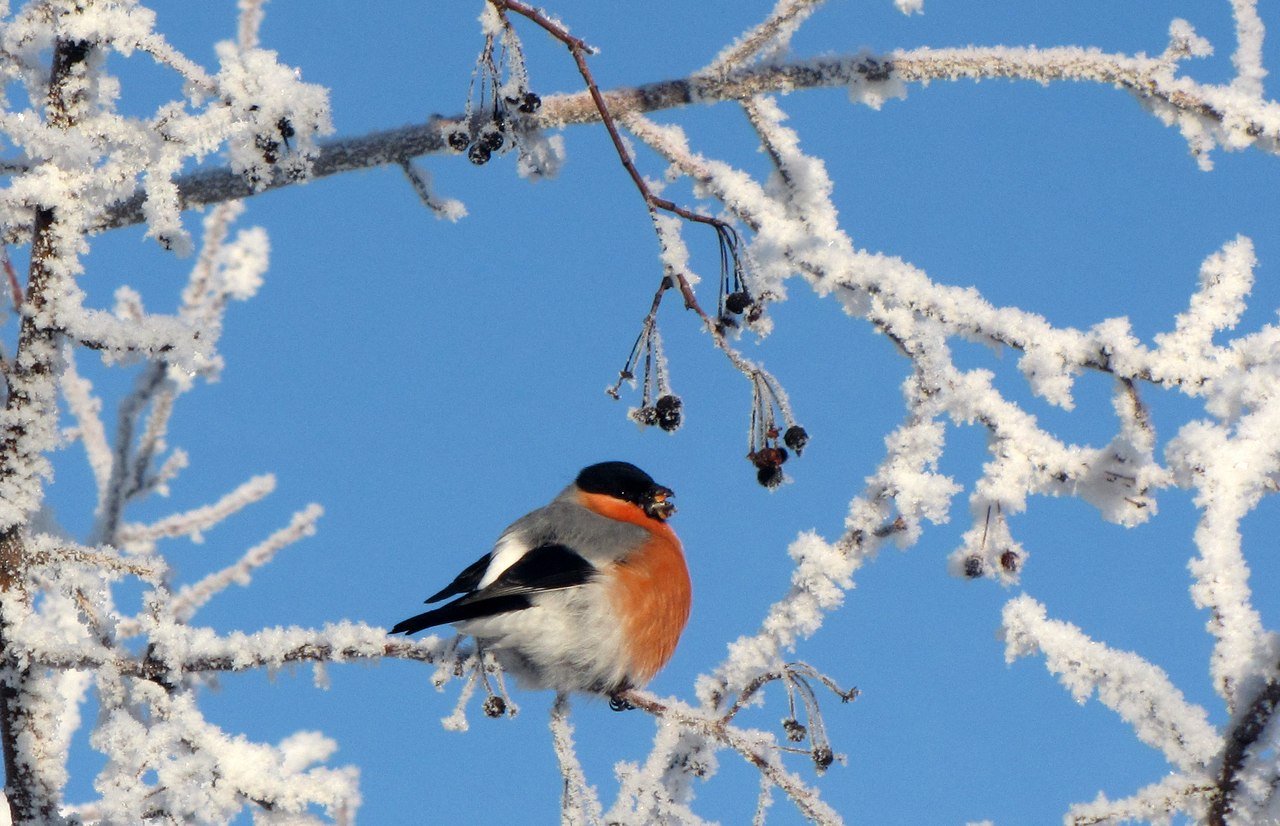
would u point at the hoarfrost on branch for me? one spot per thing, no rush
(76, 166)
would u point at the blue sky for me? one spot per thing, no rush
(429, 382)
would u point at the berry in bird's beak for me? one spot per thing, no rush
(659, 505)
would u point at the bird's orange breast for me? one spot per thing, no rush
(652, 595)
(649, 588)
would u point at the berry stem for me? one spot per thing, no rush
(580, 49)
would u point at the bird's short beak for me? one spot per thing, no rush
(660, 505)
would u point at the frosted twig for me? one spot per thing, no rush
(49, 552)
(111, 505)
(771, 34)
(1138, 691)
(755, 747)
(249, 22)
(194, 522)
(763, 802)
(86, 408)
(165, 54)
(1174, 793)
(1247, 57)
(448, 209)
(192, 597)
(579, 804)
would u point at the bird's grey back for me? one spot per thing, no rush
(598, 539)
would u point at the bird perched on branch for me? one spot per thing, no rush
(588, 593)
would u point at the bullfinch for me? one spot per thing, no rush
(589, 593)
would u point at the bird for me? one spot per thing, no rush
(589, 593)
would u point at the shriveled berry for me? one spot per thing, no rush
(769, 457)
(738, 302)
(478, 154)
(459, 140)
(973, 567)
(823, 757)
(495, 706)
(754, 312)
(491, 139)
(668, 411)
(795, 730)
(769, 476)
(1009, 561)
(796, 438)
(530, 103)
(646, 416)
(267, 147)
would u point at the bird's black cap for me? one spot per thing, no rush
(625, 481)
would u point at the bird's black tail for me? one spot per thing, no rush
(462, 609)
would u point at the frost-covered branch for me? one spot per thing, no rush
(1136, 690)
(1208, 115)
(191, 598)
(756, 747)
(579, 805)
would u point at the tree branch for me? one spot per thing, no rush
(30, 412)
(1147, 78)
(1243, 735)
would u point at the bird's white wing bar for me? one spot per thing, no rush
(510, 548)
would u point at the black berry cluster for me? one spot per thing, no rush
(494, 104)
(765, 452)
(736, 300)
(658, 405)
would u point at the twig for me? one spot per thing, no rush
(1244, 734)
(805, 798)
(579, 49)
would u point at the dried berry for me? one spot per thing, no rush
(796, 438)
(491, 139)
(1009, 561)
(495, 706)
(823, 757)
(769, 476)
(738, 302)
(754, 312)
(478, 154)
(795, 730)
(530, 103)
(459, 140)
(646, 416)
(267, 147)
(769, 457)
(667, 410)
(973, 567)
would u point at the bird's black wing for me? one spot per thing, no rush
(551, 567)
(464, 582)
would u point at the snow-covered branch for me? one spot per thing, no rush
(1207, 115)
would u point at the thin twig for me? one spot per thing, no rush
(1243, 735)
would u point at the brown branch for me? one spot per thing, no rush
(579, 49)
(1240, 739)
(31, 798)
